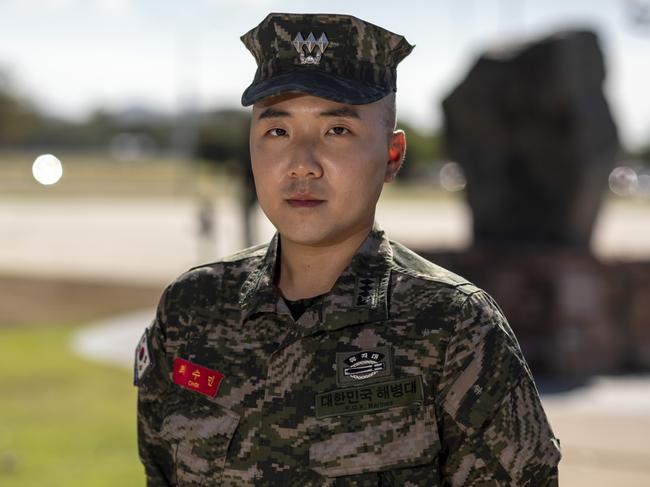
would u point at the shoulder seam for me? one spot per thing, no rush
(246, 253)
(426, 277)
(236, 257)
(201, 266)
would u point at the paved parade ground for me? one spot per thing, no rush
(152, 241)
(603, 425)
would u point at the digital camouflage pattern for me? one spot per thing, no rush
(347, 60)
(458, 408)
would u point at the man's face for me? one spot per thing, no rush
(319, 165)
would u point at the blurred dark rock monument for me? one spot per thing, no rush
(532, 129)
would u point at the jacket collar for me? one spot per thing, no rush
(359, 295)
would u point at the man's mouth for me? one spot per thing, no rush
(304, 200)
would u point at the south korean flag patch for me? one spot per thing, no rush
(142, 360)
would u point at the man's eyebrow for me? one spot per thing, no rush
(271, 112)
(345, 112)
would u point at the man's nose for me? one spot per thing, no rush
(304, 160)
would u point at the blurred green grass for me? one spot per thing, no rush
(64, 421)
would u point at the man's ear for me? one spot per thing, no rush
(396, 154)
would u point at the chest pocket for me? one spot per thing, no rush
(399, 445)
(199, 432)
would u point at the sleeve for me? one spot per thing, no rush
(494, 430)
(153, 381)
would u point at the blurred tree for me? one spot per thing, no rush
(18, 118)
(222, 133)
(22, 125)
(643, 155)
(223, 136)
(95, 131)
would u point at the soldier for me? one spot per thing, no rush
(332, 355)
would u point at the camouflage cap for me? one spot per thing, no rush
(338, 57)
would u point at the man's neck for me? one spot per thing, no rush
(307, 271)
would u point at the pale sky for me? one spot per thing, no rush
(74, 55)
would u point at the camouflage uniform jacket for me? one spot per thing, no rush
(404, 375)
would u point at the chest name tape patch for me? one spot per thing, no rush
(196, 377)
(372, 397)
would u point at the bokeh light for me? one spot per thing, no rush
(623, 181)
(47, 169)
(452, 177)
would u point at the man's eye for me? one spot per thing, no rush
(278, 132)
(338, 130)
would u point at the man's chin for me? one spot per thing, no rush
(314, 234)
(312, 238)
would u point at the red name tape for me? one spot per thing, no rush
(196, 378)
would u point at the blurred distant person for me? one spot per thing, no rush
(333, 355)
(205, 217)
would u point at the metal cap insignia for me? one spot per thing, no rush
(300, 44)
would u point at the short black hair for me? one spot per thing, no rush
(390, 113)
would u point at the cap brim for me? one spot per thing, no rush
(317, 83)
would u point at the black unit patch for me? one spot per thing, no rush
(363, 366)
